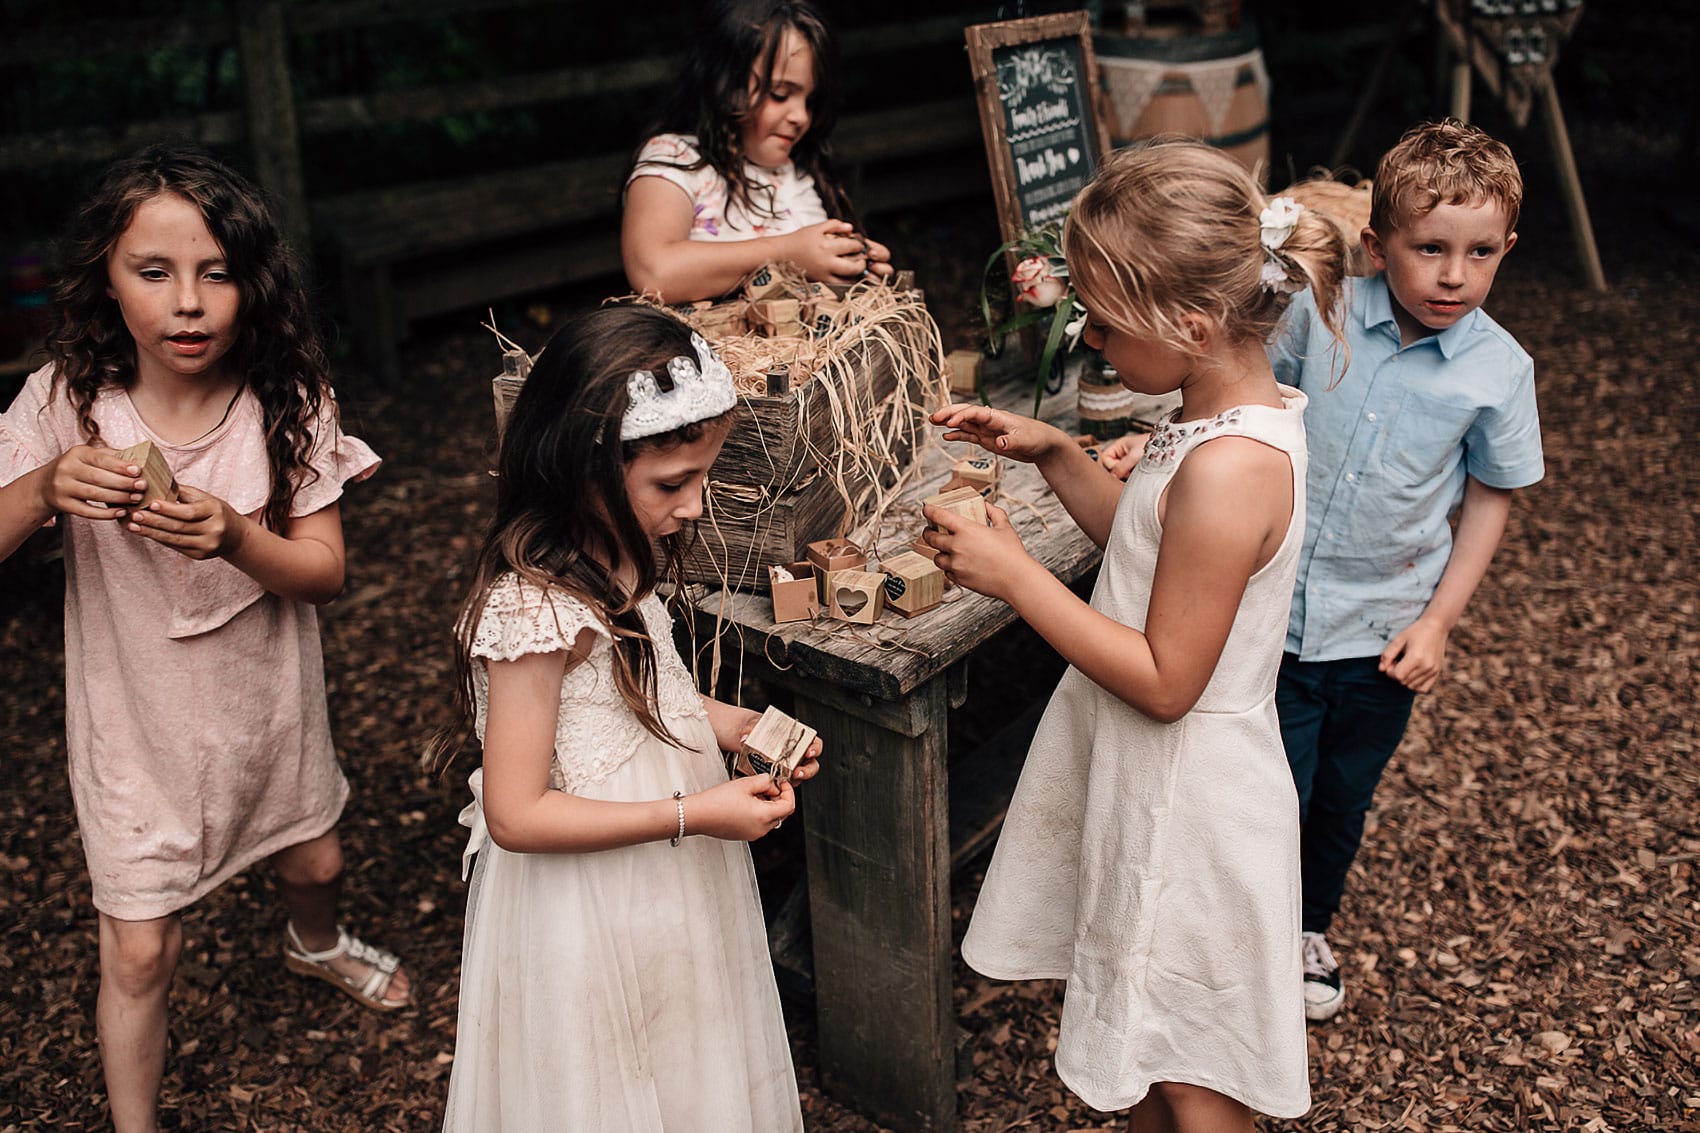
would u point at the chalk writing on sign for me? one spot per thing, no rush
(1049, 136)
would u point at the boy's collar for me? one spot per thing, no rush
(1378, 309)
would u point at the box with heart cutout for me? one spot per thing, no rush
(857, 596)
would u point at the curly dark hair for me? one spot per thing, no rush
(277, 353)
(737, 39)
(562, 520)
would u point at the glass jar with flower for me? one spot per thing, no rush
(1041, 285)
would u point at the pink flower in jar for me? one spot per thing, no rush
(1036, 283)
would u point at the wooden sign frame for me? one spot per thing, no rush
(984, 40)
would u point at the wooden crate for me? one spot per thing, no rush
(769, 496)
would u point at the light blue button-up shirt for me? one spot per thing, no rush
(1390, 447)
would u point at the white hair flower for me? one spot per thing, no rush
(1278, 221)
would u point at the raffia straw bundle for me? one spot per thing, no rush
(1344, 206)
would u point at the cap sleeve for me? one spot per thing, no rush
(27, 438)
(521, 618)
(337, 458)
(665, 156)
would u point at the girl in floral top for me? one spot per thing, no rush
(738, 171)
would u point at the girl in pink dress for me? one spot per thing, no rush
(195, 712)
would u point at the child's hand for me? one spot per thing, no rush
(1121, 454)
(809, 766)
(739, 810)
(198, 526)
(995, 430)
(84, 478)
(1416, 656)
(830, 250)
(879, 260)
(987, 560)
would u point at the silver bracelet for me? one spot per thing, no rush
(678, 801)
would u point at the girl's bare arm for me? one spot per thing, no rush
(83, 481)
(526, 816)
(1208, 553)
(305, 563)
(661, 258)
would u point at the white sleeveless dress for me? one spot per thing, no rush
(1155, 867)
(628, 990)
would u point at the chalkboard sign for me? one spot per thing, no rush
(1040, 112)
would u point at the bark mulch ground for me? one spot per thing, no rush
(1522, 935)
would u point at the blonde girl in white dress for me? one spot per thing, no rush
(614, 971)
(1151, 854)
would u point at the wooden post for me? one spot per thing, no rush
(1461, 89)
(263, 42)
(1581, 229)
(877, 836)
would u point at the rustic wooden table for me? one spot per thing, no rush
(877, 818)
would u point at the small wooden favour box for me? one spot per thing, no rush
(795, 594)
(829, 555)
(981, 473)
(965, 371)
(162, 485)
(966, 502)
(856, 596)
(913, 585)
(774, 746)
(777, 318)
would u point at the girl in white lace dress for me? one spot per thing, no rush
(1150, 857)
(614, 972)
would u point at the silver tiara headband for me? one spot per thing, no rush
(702, 388)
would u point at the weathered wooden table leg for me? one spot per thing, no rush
(877, 837)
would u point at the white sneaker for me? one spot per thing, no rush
(1323, 993)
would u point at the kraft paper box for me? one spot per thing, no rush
(830, 555)
(796, 598)
(856, 595)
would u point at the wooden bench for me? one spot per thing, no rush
(419, 248)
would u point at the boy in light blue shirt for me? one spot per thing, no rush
(1435, 413)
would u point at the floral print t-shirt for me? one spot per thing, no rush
(796, 202)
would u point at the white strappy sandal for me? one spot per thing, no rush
(371, 991)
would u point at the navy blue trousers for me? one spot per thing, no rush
(1341, 721)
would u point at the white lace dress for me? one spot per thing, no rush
(628, 990)
(1155, 867)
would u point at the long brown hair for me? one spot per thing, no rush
(712, 100)
(562, 520)
(277, 352)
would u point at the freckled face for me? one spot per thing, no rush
(1441, 265)
(778, 120)
(179, 302)
(664, 485)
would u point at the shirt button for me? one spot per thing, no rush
(1329, 536)
(1351, 477)
(1370, 416)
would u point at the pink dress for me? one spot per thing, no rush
(195, 717)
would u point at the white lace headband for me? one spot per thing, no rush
(702, 389)
(1277, 223)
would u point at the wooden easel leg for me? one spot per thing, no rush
(1581, 229)
(1461, 89)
